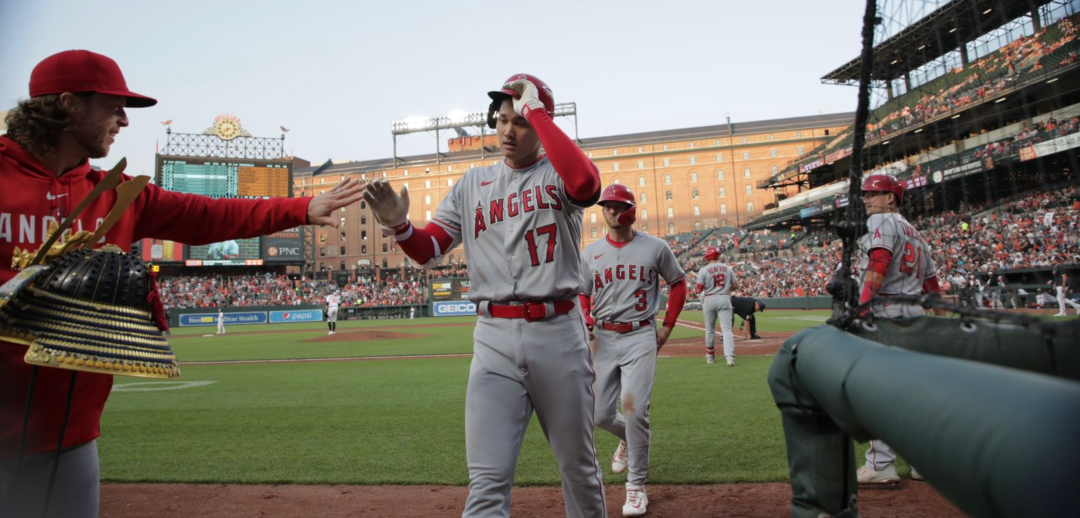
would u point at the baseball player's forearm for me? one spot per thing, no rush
(586, 308)
(676, 300)
(931, 286)
(875, 274)
(422, 244)
(578, 173)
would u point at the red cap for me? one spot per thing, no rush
(83, 71)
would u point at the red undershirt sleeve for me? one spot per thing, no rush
(578, 173)
(586, 308)
(422, 244)
(879, 264)
(675, 301)
(931, 285)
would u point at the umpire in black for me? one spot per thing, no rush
(745, 307)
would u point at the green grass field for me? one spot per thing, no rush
(401, 421)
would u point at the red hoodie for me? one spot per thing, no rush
(30, 197)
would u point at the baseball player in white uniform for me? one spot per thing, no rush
(412, 312)
(220, 321)
(1061, 285)
(715, 281)
(332, 302)
(520, 223)
(621, 284)
(894, 259)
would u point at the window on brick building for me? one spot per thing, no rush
(427, 200)
(644, 214)
(615, 166)
(363, 220)
(616, 181)
(667, 162)
(427, 184)
(746, 155)
(641, 164)
(670, 228)
(693, 160)
(641, 197)
(772, 137)
(749, 190)
(750, 206)
(697, 210)
(719, 157)
(667, 195)
(693, 177)
(427, 215)
(800, 151)
(772, 153)
(720, 174)
(592, 218)
(670, 213)
(723, 209)
(723, 193)
(384, 248)
(697, 225)
(667, 179)
(641, 181)
(746, 172)
(773, 169)
(694, 194)
(592, 233)
(644, 229)
(798, 134)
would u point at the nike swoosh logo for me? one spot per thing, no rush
(49, 196)
(489, 182)
(597, 256)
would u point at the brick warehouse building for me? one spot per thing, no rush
(685, 179)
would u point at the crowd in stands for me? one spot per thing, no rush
(1032, 230)
(1029, 230)
(279, 290)
(982, 79)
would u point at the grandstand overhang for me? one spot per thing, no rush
(942, 31)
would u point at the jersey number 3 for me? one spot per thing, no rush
(530, 237)
(642, 300)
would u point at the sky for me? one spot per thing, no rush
(338, 73)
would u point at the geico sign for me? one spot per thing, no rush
(456, 308)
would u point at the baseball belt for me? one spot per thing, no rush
(530, 311)
(625, 327)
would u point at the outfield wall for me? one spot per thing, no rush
(194, 317)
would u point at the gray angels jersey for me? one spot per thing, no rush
(624, 281)
(520, 231)
(911, 262)
(715, 279)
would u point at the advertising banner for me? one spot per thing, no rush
(231, 319)
(299, 315)
(453, 309)
(286, 246)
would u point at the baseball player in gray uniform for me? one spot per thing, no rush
(520, 223)
(621, 284)
(715, 281)
(332, 301)
(894, 259)
(1061, 287)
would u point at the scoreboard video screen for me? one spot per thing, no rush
(226, 178)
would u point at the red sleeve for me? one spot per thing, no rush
(578, 173)
(931, 285)
(879, 263)
(586, 307)
(200, 220)
(675, 301)
(422, 244)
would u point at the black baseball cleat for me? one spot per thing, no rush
(755, 337)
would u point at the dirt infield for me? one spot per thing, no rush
(289, 501)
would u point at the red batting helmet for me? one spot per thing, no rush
(884, 183)
(621, 194)
(712, 253)
(504, 93)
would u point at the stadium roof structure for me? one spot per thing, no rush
(942, 31)
(631, 139)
